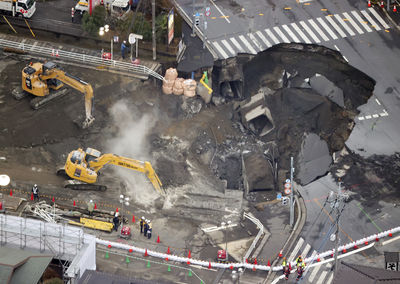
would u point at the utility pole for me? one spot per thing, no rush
(153, 14)
(337, 205)
(193, 16)
(291, 193)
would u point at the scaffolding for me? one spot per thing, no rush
(75, 250)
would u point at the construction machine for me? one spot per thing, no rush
(45, 82)
(82, 167)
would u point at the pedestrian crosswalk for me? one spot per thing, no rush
(319, 30)
(318, 274)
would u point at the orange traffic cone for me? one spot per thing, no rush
(158, 239)
(74, 203)
(31, 196)
(390, 234)
(255, 261)
(133, 218)
(166, 258)
(344, 250)
(116, 210)
(318, 259)
(369, 3)
(189, 254)
(10, 192)
(145, 253)
(1, 205)
(355, 246)
(280, 253)
(382, 5)
(95, 206)
(366, 242)
(53, 200)
(109, 246)
(290, 266)
(168, 251)
(269, 263)
(231, 267)
(394, 9)
(130, 250)
(254, 268)
(209, 265)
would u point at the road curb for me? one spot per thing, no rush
(301, 220)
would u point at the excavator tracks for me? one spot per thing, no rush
(39, 102)
(78, 185)
(18, 93)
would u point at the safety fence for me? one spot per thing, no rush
(91, 60)
(259, 234)
(254, 266)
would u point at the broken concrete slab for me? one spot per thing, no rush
(258, 171)
(314, 159)
(327, 89)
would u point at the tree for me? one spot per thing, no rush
(91, 24)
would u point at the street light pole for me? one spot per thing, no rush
(153, 11)
(337, 205)
(291, 221)
(193, 34)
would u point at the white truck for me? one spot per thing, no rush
(116, 7)
(19, 8)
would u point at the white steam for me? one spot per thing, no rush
(131, 141)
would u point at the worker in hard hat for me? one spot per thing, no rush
(145, 227)
(35, 191)
(90, 207)
(299, 261)
(142, 220)
(149, 229)
(300, 270)
(116, 221)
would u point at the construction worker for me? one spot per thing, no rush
(35, 191)
(116, 221)
(149, 229)
(286, 271)
(90, 207)
(300, 271)
(72, 14)
(284, 264)
(141, 224)
(299, 261)
(146, 227)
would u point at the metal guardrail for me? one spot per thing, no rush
(257, 238)
(80, 58)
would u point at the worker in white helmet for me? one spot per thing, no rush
(142, 220)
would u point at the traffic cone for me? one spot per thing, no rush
(74, 203)
(109, 246)
(10, 192)
(247, 261)
(133, 218)
(255, 261)
(382, 5)
(116, 210)
(169, 268)
(254, 268)
(158, 239)
(148, 264)
(269, 263)
(127, 260)
(190, 273)
(168, 251)
(366, 242)
(95, 206)
(145, 253)
(189, 254)
(166, 259)
(355, 246)
(344, 250)
(394, 9)
(231, 267)
(209, 265)
(376, 238)
(318, 259)
(106, 256)
(390, 234)
(369, 3)
(53, 199)
(31, 196)
(57, 53)
(1, 205)
(52, 52)
(280, 253)
(290, 266)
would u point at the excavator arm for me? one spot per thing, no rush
(77, 84)
(144, 167)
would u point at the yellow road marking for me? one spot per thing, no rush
(287, 8)
(330, 15)
(345, 19)
(387, 31)
(261, 14)
(323, 9)
(224, 17)
(307, 4)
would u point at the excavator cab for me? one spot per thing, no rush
(91, 154)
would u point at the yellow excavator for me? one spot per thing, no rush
(45, 82)
(82, 167)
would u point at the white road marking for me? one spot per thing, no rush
(291, 34)
(361, 118)
(228, 47)
(375, 115)
(272, 36)
(345, 26)
(337, 48)
(344, 57)
(247, 44)
(321, 33)
(330, 278)
(305, 251)
(219, 10)
(353, 23)
(314, 273)
(368, 116)
(322, 277)
(255, 41)
(215, 228)
(300, 32)
(280, 33)
(379, 18)
(220, 50)
(370, 20)
(297, 247)
(238, 46)
(335, 26)
(263, 38)
(361, 21)
(384, 113)
(328, 29)
(390, 241)
(309, 31)
(378, 102)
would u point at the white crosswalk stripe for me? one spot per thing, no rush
(330, 278)
(309, 31)
(370, 20)
(263, 38)
(322, 277)
(328, 29)
(314, 272)
(361, 21)
(291, 34)
(300, 32)
(272, 36)
(228, 47)
(351, 21)
(335, 26)
(305, 251)
(321, 33)
(296, 249)
(379, 18)
(237, 45)
(281, 35)
(247, 44)
(220, 50)
(255, 41)
(345, 26)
